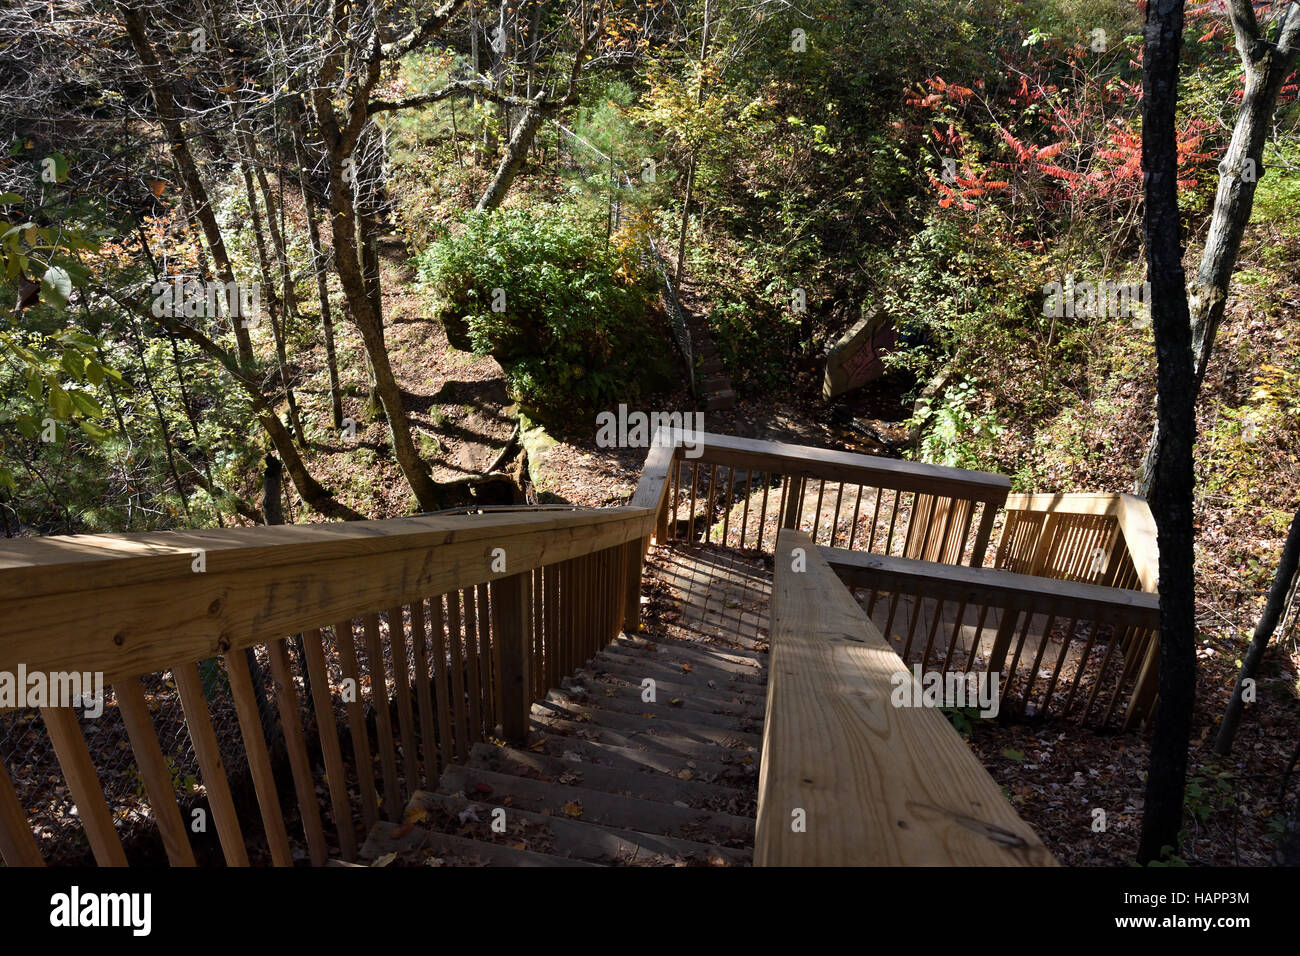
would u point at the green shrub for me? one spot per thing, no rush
(573, 325)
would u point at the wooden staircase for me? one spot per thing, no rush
(609, 777)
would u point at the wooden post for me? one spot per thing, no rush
(632, 560)
(985, 531)
(793, 502)
(511, 604)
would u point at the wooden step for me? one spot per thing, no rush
(663, 741)
(654, 727)
(720, 401)
(731, 696)
(689, 697)
(665, 707)
(636, 669)
(700, 645)
(683, 661)
(418, 845)
(574, 839)
(642, 782)
(597, 806)
(739, 769)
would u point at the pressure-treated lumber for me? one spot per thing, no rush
(874, 784)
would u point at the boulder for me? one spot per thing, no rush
(855, 359)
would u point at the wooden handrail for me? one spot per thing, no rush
(1131, 512)
(1127, 620)
(994, 586)
(933, 507)
(846, 777)
(133, 604)
(811, 462)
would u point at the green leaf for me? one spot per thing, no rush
(60, 402)
(74, 364)
(94, 372)
(60, 166)
(35, 387)
(93, 431)
(1012, 754)
(56, 286)
(85, 403)
(7, 198)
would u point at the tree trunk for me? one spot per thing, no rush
(1266, 66)
(318, 267)
(1175, 404)
(427, 492)
(513, 160)
(273, 491)
(1277, 602)
(155, 69)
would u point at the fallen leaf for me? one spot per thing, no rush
(572, 809)
(385, 859)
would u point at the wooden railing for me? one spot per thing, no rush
(740, 492)
(414, 639)
(1073, 650)
(1107, 539)
(847, 778)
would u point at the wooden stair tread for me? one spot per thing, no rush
(685, 747)
(691, 698)
(729, 773)
(731, 694)
(616, 720)
(664, 707)
(575, 839)
(642, 782)
(596, 806)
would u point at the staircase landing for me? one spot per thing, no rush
(610, 777)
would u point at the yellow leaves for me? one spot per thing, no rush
(415, 815)
(572, 809)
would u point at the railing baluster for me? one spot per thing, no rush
(956, 629)
(379, 702)
(744, 518)
(424, 701)
(853, 526)
(259, 760)
(17, 842)
(208, 752)
(83, 782)
(296, 746)
(402, 687)
(1056, 671)
(695, 482)
(455, 637)
(730, 496)
(474, 686)
(365, 761)
(889, 538)
(1078, 673)
(441, 685)
(332, 755)
(1027, 694)
(153, 769)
